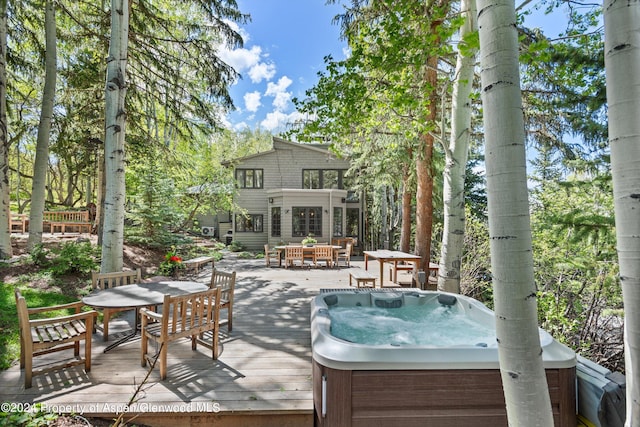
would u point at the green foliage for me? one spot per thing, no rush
(39, 255)
(236, 246)
(309, 240)
(475, 280)
(171, 264)
(576, 264)
(74, 257)
(246, 255)
(153, 211)
(35, 417)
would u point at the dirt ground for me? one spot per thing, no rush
(146, 259)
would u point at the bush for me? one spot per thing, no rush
(245, 255)
(74, 257)
(39, 255)
(236, 246)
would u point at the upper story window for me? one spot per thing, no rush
(322, 178)
(249, 178)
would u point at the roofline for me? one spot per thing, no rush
(273, 150)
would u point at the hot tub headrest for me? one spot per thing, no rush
(386, 299)
(449, 300)
(331, 300)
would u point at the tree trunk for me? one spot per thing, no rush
(456, 159)
(407, 197)
(519, 350)
(41, 164)
(622, 63)
(6, 251)
(114, 144)
(424, 175)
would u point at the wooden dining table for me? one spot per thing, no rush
(393, 257)
(137, 296)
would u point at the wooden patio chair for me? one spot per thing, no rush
(323, 253)
(227, 283)
(293, 254)
(49, 335)
(344, 254)
(272, 255)
(101, 281)
(183, 316)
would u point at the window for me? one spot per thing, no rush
(311, 179)
(306, 221)
(249, 223)
(322, 178)
(249, 178)
(330, 179)
(276, 220)
(337, 222)
(353, 222)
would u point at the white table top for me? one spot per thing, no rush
(141, 294)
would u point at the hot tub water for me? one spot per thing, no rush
(437, 326)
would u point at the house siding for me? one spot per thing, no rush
(282, 170)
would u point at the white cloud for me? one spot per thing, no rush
(262, 71)
(279, 92)
(249, 61)
(252, 101)
(279, 120)
(241, 59)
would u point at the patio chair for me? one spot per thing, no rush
(344, 254)
(272, 255)
(183, 316)
(227, 284)
(53, 334)
(293, 254)
(323, 253)
(101, 281)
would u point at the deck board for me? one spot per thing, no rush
(264, 367)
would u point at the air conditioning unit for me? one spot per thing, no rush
(207, 231)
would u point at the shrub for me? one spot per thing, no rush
(236, 246)
(73, 257)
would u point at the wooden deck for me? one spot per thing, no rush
(263, 372)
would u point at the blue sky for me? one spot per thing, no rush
(285, 44)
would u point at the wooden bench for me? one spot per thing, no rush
(183, 316)
(363, 278)
(196, 263)
(64, 219)
(395, 267)
(20, 221)
(43, 336)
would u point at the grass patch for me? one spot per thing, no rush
(9, 334)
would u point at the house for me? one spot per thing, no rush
(291, 191)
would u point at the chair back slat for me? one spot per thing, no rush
(115, 279)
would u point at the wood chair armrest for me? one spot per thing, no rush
(77, 305)
(145, 312)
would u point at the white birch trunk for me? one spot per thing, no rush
(41, 164)
(5, 211)
(520, 353)
(114, 144)
(456, 159)
(622, 64)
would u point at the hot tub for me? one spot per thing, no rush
(444, 378)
